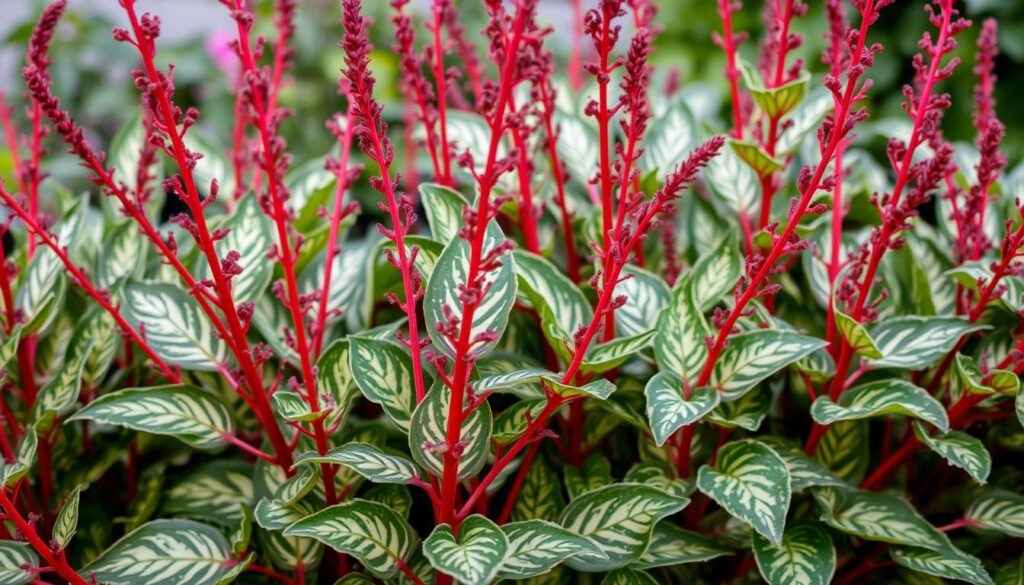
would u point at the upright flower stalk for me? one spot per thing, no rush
(729, 41)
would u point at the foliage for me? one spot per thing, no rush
(532, 321)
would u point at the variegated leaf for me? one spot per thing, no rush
(561, 305)
(671, 545)
(628, 577)
(490, 314)
(946, 563)
(383, 372)
(669, 408)
(878, 399)
(541, 495)
(251, 236)
(214, 492)
(715, 274)
(537, 546)
(43, 280)
(734, 183)
(806, 556)
(66, 524)
(856, 335)
(171, 552)
(646, 295)
(368, 461)
(185, 412)
(444, 207)
(618, 518)
(959, 449)
(372, 533)
(429, 428)
(123, 255)
(679, 343)
(174, 326)
(751, 357)
(875, 516)
(19, 563)
(1001, 511)
(474, 556)
(612, 354)
(913, 343)
(751, 481)
(669, 139)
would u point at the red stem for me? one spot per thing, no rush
(725, 10)
(55, 560)
(559, 177)
(441, 81)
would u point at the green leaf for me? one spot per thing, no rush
(878, 399)
(19, 563)
(514, 420)
(474, 556)
(242, 535)
(214, 492)
(1012, 573)
(754, 356)
(646, 295)
(292, 407)
(352, 282)
(856, 335)
(777, 101)
(747, 412)
(66, 524)
(760, 161)
(561, 305)
(657, 475)
(599, 388)
(668, 408)
(606, 356)
(185, 412)
(618, 518)
(383, 372)
(716, 272)
(804, 472)
(595, 473)
(751, 481)
(914, 343)
(1000, 511)
(535, 547)
(43, 279)
(444, 207)
(174, 326)
(995, 381)
(166, 551)
(803, 120)
(541, 495)
(452, 272)
(372, 533)
(60, 394)
(959, 449)
(875, 516)
(734, 183)
(679, 342)
(429, 429)
(671, 545)
(628, 577)
(504, 381)
(297, 486)
(250, 236)
(394, 496)
(670, 137)
(844, 449)
(334, 378)
(368, 461)
(806, 556)
(123, 255)
(948, 564)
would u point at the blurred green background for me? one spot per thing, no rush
(91, 71)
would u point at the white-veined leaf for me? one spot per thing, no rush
(292, 407)
(497, 382)
(352, 280)
(804, 472)
(881, 398)
(250, 236)
(844, 450)
(383, 372)
(444, 207)
(334, 377)
(578, 147)
(537, 546)
(429, 428)
(671, 545)
(679, 342)
(1001, 511)
(751, 481)
(669, 409)
(856, 335)
(753, 356)
(169, 552)
(748, 412)
(716, 272)
(595, 473)
(214, 492)
(628, 577)
(646, 295)
(123, 255)
(875, 516)
(734, 183)
(806, 556)
(372, 533)
(490, 315)
(669, 139)
(599, 388)
(948, 564)
(174, 326)
(474, 556)
(541, 495)
(561, 305)
(914, 343)
(368, 461)
(66, 524)
(60, 394)
(19, 563)
(185, 412)
(606, 356)
(959, 449)
(618, 518)
(994, 381)
(43, 279)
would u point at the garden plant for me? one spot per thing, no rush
(550, 317)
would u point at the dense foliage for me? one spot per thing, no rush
(561, 322)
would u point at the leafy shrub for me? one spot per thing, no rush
(618, 345)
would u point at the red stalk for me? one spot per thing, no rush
(55, 560)
(441, 79)
(551, 139)
(728, 41)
